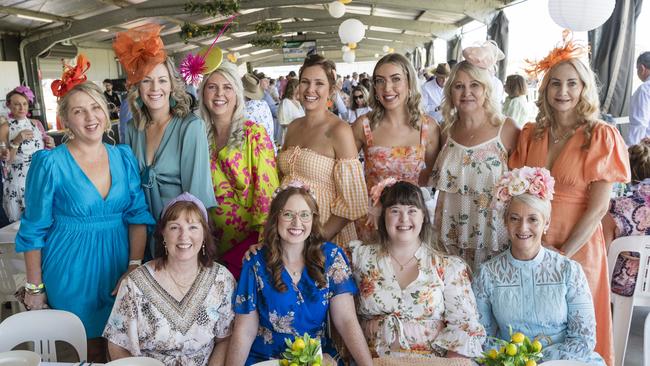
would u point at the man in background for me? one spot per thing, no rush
(640, 103)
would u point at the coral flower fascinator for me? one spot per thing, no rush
(72, 76)
(139, 50)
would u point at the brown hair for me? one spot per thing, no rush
(15, 92)
(640, 161)
(364, 92)
(405, 193)
(206, 259)
(588, 106)
(292, 85)
(515, 85)
(413, 101)
(314, 258)
(328, 66)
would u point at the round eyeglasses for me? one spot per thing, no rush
(304, 216)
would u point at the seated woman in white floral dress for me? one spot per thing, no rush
(178, 307)
(413, 300)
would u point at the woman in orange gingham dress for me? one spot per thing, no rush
(319, 150)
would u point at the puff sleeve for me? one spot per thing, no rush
(351, 201)
(519, 156)
(607, 159)
(337, 271)
(138, 211)
(40, 188)
(246, 294)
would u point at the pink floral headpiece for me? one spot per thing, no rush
(377, 189)
(535, 181)
(26, 91)
(293, 184)
(485, 56)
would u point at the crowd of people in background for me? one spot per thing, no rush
(415, 213)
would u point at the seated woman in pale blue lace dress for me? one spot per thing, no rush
(534, 289)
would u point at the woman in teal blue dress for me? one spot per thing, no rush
(170, 143)
(287, 288)
(534, 289)
(84, 222)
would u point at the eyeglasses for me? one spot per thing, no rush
(357, 96)
(304, 216)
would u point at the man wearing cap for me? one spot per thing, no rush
(432, 92)
(257, 110)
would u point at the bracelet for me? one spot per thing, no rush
(13, 146)
(135, 262)
(33, 289)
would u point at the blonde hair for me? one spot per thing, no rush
(141, 116)
(491, 106)
(534, 202)
(587, 109)
(230, 72)
(413, 101)
(95, 93)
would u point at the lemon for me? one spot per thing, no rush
(315, 364)
(537, 346)
(531, 363)
(293, 364)
(284, 362)
(493, 354)
(517, 338)
(511, 349)
(312, 342)
(502, 350)
(298, 345)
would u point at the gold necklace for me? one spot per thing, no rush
(181, 287)
(401, 266)
(555, 140)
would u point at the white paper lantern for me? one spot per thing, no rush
(580, 15)
(336, 9)
(345, 49)
(352, 31)
(349, 57)
(385, 49)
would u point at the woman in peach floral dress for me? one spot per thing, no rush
(319, 151)
(413, 299)
(397, 139)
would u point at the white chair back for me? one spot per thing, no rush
(623, 305)
(135, 361)
(43, 328)
(646, 341)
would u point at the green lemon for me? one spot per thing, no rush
(518, 338)
(537, 346)
(511, 349)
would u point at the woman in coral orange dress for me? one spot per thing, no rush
(585, 156)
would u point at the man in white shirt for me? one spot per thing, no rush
(640, 103)
(432, 92)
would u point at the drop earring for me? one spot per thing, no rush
(203, 248)
(165, 246)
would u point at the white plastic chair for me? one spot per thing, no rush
(623, 305)
(646, 341)
(135, 361)
(564, 363)
(43, 328)
(12, 274)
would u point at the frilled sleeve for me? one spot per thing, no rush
(245, 299)
(581, 322)
(40, 189)
(138, 211)
(337, 271)
(351, 201)
(463, 332)
(223, 327)
(519, 156)
(264, 173)
(122, 326)
(482, 288)
(607, 159)
(195, 162)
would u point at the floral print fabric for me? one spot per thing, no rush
(147, 321)
(433, 314)
(546, 297)
(465, 223)
(244, 180)
(301, 309)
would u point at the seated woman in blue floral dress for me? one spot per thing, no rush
(287, 288)
(531, 288)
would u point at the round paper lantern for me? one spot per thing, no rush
(345, 49)
(348, 57)
(336, 9)
(580, 15)
(352, 45)
(385, 49)
(351, 31)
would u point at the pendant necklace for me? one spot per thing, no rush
(555, 140)
(401, 266)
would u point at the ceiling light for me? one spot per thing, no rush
(39, 19)
(104, 30)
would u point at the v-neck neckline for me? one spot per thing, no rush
(393, 274)
(546, 140)
(90, 182)
(163, 141)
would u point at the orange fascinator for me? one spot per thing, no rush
(139, 50)
(565, 51)
(72, 76)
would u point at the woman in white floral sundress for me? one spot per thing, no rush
(413, 300)
(476, 142)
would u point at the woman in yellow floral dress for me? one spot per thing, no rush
(242, 163)
(319, 151)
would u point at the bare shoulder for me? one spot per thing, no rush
(433, 126)
(510, 133)
(342, 137)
